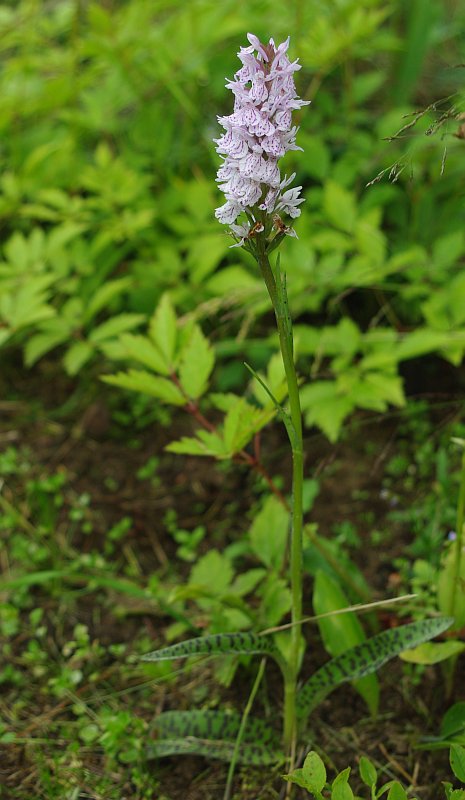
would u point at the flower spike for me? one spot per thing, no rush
(257, 134)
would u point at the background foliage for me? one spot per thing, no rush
(107, 191)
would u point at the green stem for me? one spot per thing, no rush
(285, 341)
(458, 545)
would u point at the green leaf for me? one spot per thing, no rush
(276, 599)
(207, 443)
(245, 582)
(453, 794)
(42, 343)
(396, 792)
(140, 381)
(341, 631)
(241, 423)
(366, 658)
(26, 305)
(317, 156)
(432, 652)
(218, 644)
(452, 729)
(141, 349)
(312, 776)
(4, 335)
(235, 282)
(163, 330)
(420, 342)
(269, 533)
(448, 584)
(315, 771)
(325, 406)
(104, 294)
(213, 572)
(339, 205)
(114, 326)
(381, 387)
(282, 414)
(368, 772)
(76, 357)
(205, 253)
(453, 722)
(457, 761)
(197, 362)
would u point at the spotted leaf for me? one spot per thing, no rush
(366, 658)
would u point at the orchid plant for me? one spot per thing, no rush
(259, 208)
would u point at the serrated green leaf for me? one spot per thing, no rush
(42, 343)
(76, 356)
(366, 658)
(457, 761)
(223, 401)
(163, 330)
(140, 381)
(323, 405)
(218, 644)
(197, 362)
(208, 443)
(104, 294)
(269, 533)
(141, 349)
(342, 631)
(115, 326)
(241, 423)
(22, 306)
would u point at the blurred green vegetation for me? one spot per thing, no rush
(107, 185)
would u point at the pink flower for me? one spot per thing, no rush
(257, 134)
